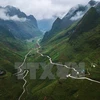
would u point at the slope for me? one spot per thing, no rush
(82, 45)
(10, 47)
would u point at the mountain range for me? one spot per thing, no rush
(18, 23)
(78, 41)
(74, 15)
(74, 38)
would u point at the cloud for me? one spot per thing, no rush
(5, 16)
(78, 15)
(16, 18)
(44, 9)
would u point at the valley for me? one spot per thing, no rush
(57, 64)
(62, 64)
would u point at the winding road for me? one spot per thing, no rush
(20, 67)
(25, 73)
(80, 78)
(51, 62)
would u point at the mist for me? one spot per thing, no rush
(77, 16)
(5, 16)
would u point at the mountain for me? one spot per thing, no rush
(74, 15)
(21, 25)
(55, 28)
(89, 21)
(15, 28)
(78, 43)
(10, 53)
(46, 24)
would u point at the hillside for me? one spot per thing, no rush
(9, 54)
(81, 45)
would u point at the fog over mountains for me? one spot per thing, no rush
(21, 25)
(73, 15)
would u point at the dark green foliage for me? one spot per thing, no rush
(89, 21)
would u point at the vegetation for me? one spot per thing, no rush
(78, 43)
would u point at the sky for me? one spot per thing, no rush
(44, 9)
